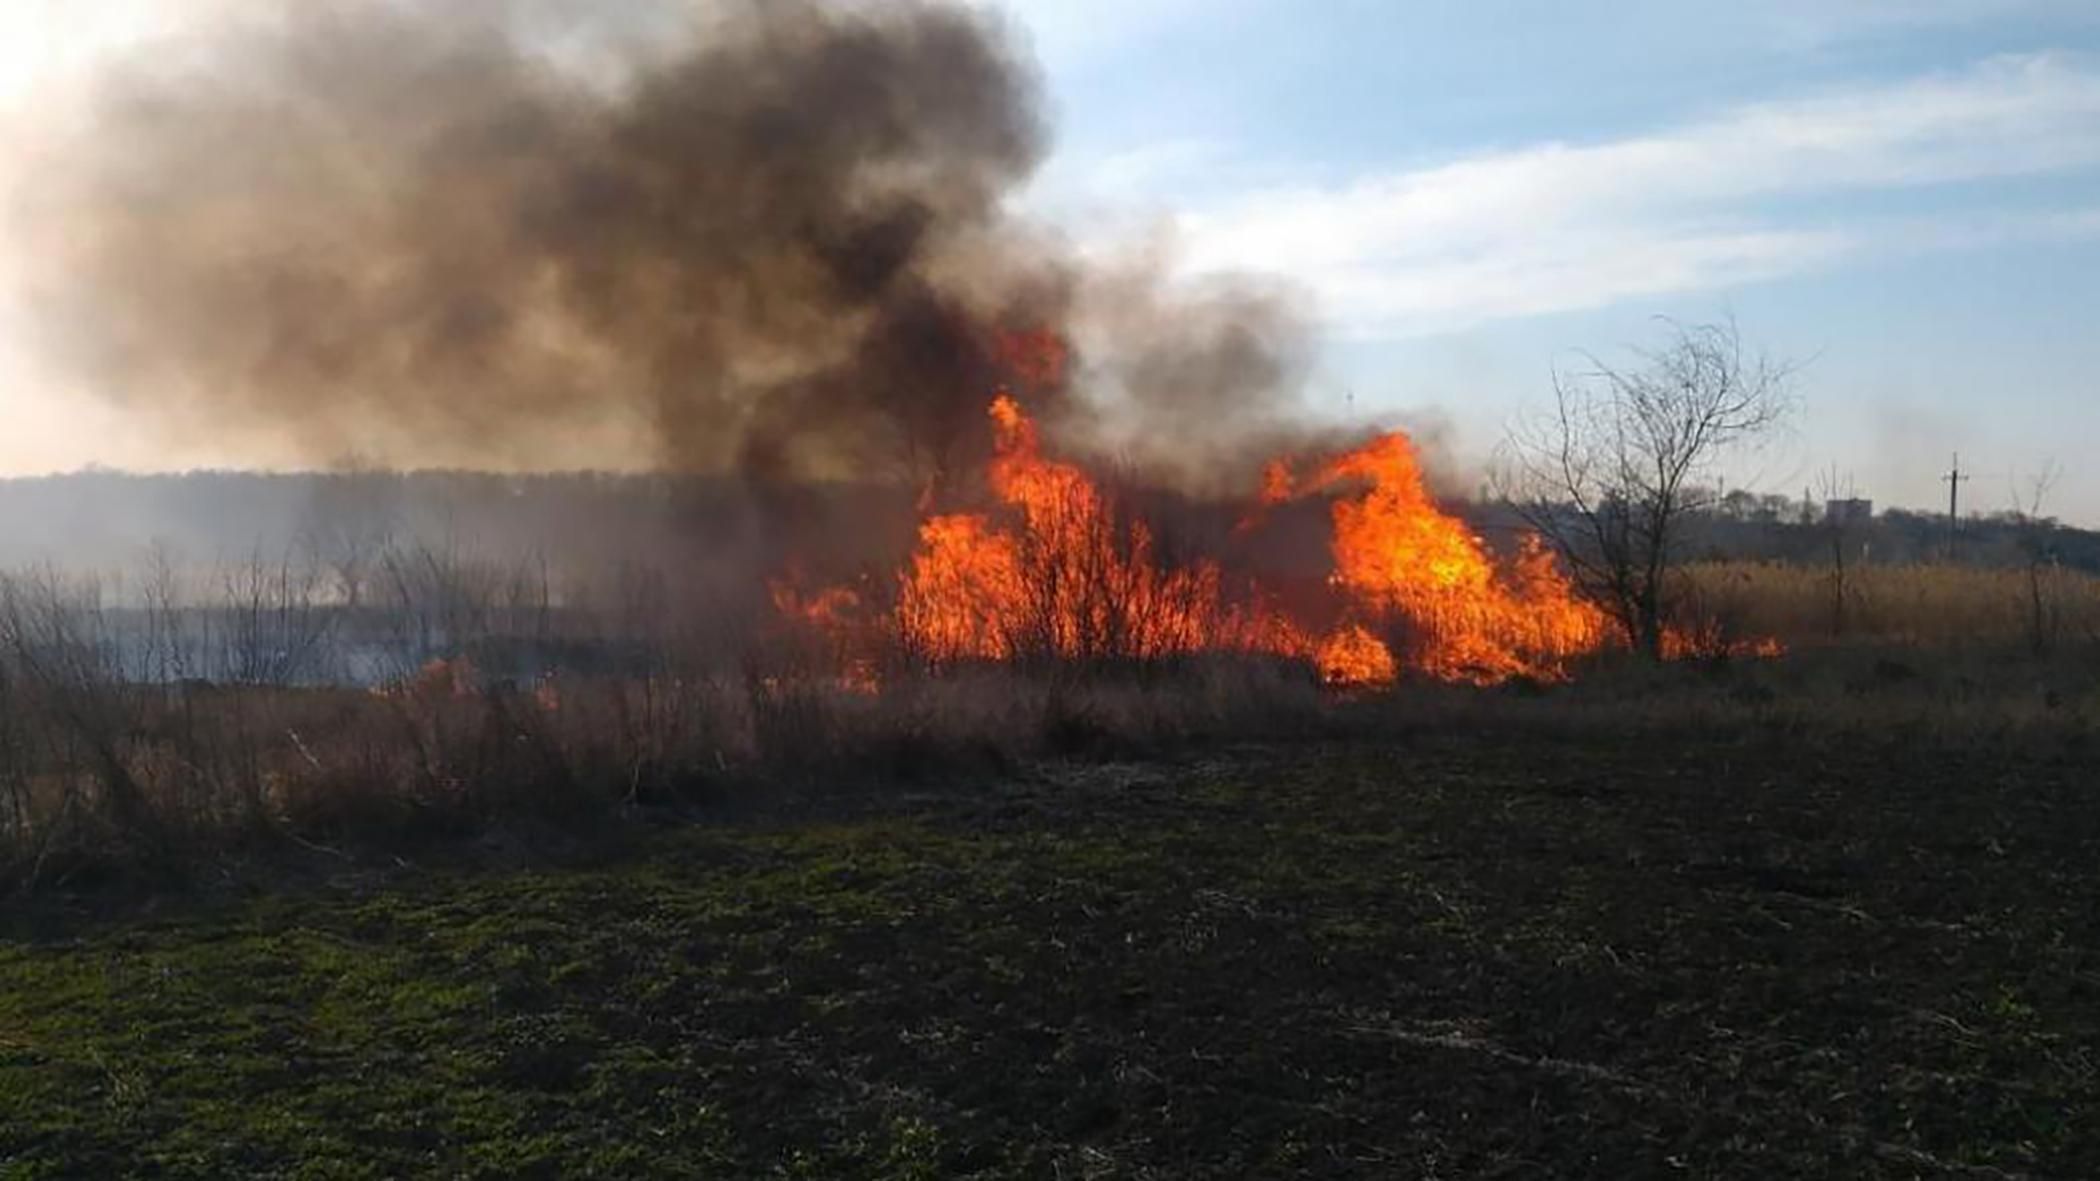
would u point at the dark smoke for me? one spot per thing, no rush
(1193, 385)
(777, 241)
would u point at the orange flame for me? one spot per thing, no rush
(1709, 641)
(1056, 571)
(837, 616)
(1400, 558)
(1351, 655)
(1276, 488)
(1065, 579)
(1036, 358)
(828, 609)
(1068, 580)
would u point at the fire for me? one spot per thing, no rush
(1054, 569)
(838, 616)
(1353, 656)
(1709, 641)
(1402, 560)
(1276, 488)
(828, 609)
(1060, 576)
(1056, 573)
(1035, 358)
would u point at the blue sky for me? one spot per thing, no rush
(1906, 196)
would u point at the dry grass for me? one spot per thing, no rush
(195, 772)
(105, 767)
(104, 774)
(1921, 606)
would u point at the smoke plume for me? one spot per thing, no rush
(769, 235)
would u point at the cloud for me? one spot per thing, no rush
(1720, 201)
(1817, 23)
(1564, 272)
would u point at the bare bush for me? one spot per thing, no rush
(275, 625)
(68, 691)
(1610, 474)
(2038, 559)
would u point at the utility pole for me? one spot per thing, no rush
(1954, 479)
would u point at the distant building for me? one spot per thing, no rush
(1849, 511)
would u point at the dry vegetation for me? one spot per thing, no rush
(145, 739)
(148, 738)
(1818, 915)
(1931, 608)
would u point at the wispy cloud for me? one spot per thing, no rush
(1720, 201)
(1817, 23)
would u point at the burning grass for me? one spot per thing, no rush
(1070, 581)
(1096, 639)
(1060, 571)
(1398, 555)
(1044, 613)
(108, 782)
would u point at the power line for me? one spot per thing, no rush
(1954, 479)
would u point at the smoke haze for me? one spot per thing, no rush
(770, 237)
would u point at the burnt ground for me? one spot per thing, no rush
(1456, 956)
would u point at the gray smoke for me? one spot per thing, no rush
(758, 235)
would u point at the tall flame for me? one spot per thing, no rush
(1064, 578)
(1402, 560)
(1055, 570)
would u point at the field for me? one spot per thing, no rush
(1441, 952)
(728, 637)
(1931, 607)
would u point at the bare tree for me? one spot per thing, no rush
(2038, 549)
(351, 520)
(276, 627)
(1611, 473)
(1838, 528)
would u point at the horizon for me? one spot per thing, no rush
(1797, 510)
(1900, 196)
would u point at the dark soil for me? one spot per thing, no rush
(1451, 957)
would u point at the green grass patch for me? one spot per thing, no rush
(1518, 958)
